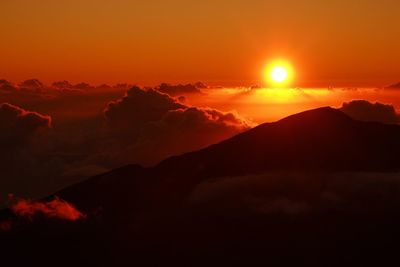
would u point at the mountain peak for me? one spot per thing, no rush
(319, 115)
(318, 139)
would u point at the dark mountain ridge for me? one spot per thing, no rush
(323, 139)
(313, 189)
(320, 140)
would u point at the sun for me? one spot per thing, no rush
(279, 73)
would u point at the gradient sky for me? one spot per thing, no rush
(227, 42)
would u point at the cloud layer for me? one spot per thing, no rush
(367, 111)
(151, 125)
(17, 124)
(138, 107)
(42, 154)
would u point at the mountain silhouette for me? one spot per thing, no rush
(316, 188)
(322, 139)
(319, 140)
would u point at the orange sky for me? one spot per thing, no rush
(227, 42)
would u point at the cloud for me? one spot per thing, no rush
(62, 85)
(175, 90)
(394, 86)
(103, 87)
(17, 124)
(263, 194)
(138, 107)
(14, 116)
(42, 154)
(32, 84)
(22, 141)
(367, 111)
(187, 129)
(6, 86)
(83, 86)
(193, 117)
(149, 126)
(299, 194)
(56, 208)
(142, 127)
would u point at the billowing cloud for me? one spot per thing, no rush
(16, 124)
(184, 130)
(21, 133)
(62, 85)
(32, 84)
(103, 86)
(6, 85)
(83, 86)
(138, 107)
(193, 117)
(367, 111)
(150, 125)
(142, 127)
(13, 116)
(56, 208)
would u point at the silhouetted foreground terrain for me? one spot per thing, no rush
(314, 189)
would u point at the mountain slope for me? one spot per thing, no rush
(324, 139)
(314, 189)
(320, 140)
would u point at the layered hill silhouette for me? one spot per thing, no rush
(316, 188)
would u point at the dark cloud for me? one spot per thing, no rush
(62, 85)
(143, 127)
(31, 85)
(13, 116)
(138, 107)
(122, 86)
(366, 111)
(17, 124)
(103, 87)
(66, 85)
(184, 130)
(6, 86)
(38, 159)
(83, 86)
(298, 194)
(149, 125)
(394, 86)
(23, 141)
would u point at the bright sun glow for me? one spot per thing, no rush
(279, 73)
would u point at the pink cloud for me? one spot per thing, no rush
(56, 208)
